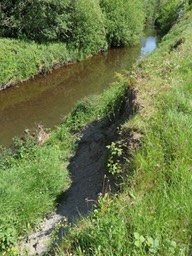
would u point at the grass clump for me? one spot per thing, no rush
(31, 178)
(152, 213)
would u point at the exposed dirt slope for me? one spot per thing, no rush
(87, 174)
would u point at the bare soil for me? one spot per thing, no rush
(87, 170)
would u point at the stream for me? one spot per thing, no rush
(48, 99)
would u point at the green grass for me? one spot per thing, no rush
(21, 60)
(32, 176)
(152, 214)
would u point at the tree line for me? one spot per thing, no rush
(89, 25)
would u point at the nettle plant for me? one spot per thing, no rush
(153, 245)
(115, 154)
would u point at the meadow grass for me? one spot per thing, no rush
(152, 213)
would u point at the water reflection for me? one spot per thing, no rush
(148, 45)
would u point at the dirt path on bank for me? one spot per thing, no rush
(87, 173)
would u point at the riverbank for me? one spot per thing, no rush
(33, 175)
(57, 33)
(47, 99)
(152, 158)
(21, 60)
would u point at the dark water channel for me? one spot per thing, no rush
(47, 99)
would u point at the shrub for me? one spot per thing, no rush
(150, 10)
(40, 20)
(170, 11)
(88, 31)
(124, 25)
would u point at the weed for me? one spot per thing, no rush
(113, 161)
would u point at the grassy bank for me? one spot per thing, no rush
(33, 176)
(36, 36)
(152, 214)
(21, 59)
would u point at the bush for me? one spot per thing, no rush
(39, 20)
(150, 10)
(170, 11)
(81, 22)
(124, 25)
(88, 31)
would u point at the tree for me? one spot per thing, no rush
(88, 30)
(124, 21)
(39, 20)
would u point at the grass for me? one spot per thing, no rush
(152, 214)
(33, 176)
(21, 59)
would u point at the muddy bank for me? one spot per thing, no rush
(87, 170)
(89, 175)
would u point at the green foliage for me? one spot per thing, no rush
(78, 21)
(45, 20)
(107, 106)
(21, 60)
(82, 113)
(151, 7)
(170, 11)
(124, 21)
(115, 154)
(112, 100)
(88, 31)
(28, 188)
(67, 30)
(105, 234)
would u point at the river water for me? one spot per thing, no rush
(47, 99)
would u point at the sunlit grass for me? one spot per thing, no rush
(21, 60)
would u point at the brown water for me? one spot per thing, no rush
(47, 99)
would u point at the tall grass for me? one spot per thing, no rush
(23, 59)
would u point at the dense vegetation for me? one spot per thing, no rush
(35, 36)
(36, 20)
(70, 30)
(66, 20)
(169, 12)
(123, 24)
(152, 213)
